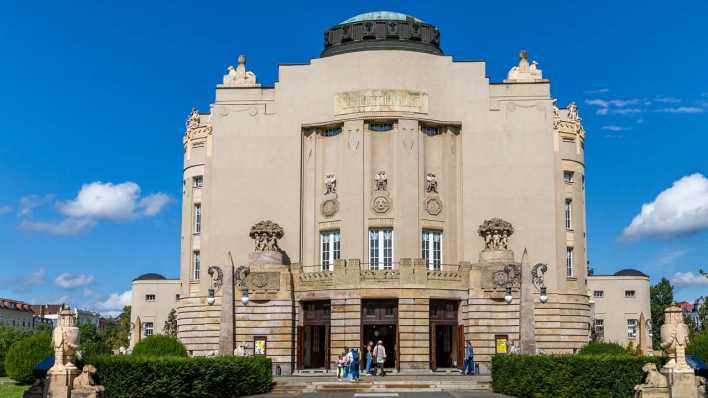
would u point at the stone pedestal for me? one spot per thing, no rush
(87, 393)
(652, 392)
(684, 384)
(60, 382)
(265, 257)
(496, 256)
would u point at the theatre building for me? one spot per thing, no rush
(383, 191)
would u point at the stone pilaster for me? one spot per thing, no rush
(226, 327)
(414, 334)
(527, 323)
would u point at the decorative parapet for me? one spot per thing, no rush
(446, 275)
(195, 129)
(386, 274)
(317, 277)
(568, 120)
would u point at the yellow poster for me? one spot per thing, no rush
(501, 344)
(260, 348)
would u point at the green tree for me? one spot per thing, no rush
(117, 331)
(92, 341)
(170, 328)
(8, 337)
(662, 295)
(692, 326)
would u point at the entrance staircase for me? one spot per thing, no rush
(390, 383)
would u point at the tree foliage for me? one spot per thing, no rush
(698, 346)
(25, 354)
(662, 295)
(8, 337)
(117, 331)
(597, 348)
(160, 346)
(170, 328)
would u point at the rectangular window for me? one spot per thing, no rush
(149, 297)
(631, 328)
(198, 181)
(568, 176)
(177, 297)
(330, 243)
(599, 328)
(197, 218)
(629, 293)
(431, 248)
(569, 268)
(149, 327)
(380, 248)
(598, 293)
(196, 265)
(569, 214)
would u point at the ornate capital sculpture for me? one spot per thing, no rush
(496, 233)
(674, 339)
(266, 235)
(524, 72)
(239, 76)
(195, 128)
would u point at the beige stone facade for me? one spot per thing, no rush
(619, 302)
(154, 296)
(380, 165)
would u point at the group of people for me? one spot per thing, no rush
(348, 363)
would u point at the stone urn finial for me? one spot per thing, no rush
(266, 235)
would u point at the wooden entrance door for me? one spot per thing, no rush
(379, 321)
(445, 337)
(313, 336)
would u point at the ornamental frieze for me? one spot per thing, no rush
(263, 281)
(380, 100)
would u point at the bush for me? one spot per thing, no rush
(25, 355)
(127, 376)
(598, 348)
(160, 346)
(568, 376)
(698, 346)
(8, 337)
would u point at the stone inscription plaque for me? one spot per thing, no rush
(380, 100)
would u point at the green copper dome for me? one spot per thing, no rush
(380, 15)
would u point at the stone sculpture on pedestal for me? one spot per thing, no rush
(84, 385)
(65, 342)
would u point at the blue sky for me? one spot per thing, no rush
(94, 98)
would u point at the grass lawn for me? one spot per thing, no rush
(12, 391)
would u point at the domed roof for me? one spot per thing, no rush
(381, 30)
(380, 15)
(630, 272)
(150, 277)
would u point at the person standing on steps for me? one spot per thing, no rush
(354, 366)
(369, 358)
(380, 355)
(468, 369)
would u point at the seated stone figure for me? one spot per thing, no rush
(656, 385)
(84, 385)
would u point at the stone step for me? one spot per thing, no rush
(291, 387)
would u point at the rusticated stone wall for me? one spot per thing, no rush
(198, 325)
(414, 337)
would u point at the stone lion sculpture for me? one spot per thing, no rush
(85, 383)
(653, 377)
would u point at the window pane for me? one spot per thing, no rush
(197, 218)
(570, 272)
(196, 265)
(373, 249)
(568, 214)
(388, 248)
(381, 126)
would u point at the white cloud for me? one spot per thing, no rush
(99, 200)
(115, 303)
(678, 210)
(5, 209)
(152, 204)
(612, 127)
(94, 202)
(667, 100)
(31, 202)
(602, 111)
(670, 257)
(688, 279)
(681, 109)
(63, 300)
(625, 111)
(598, 91)
(23, 283)
(68, 226)
(69, 281)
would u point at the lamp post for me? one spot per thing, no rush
(240, 281)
